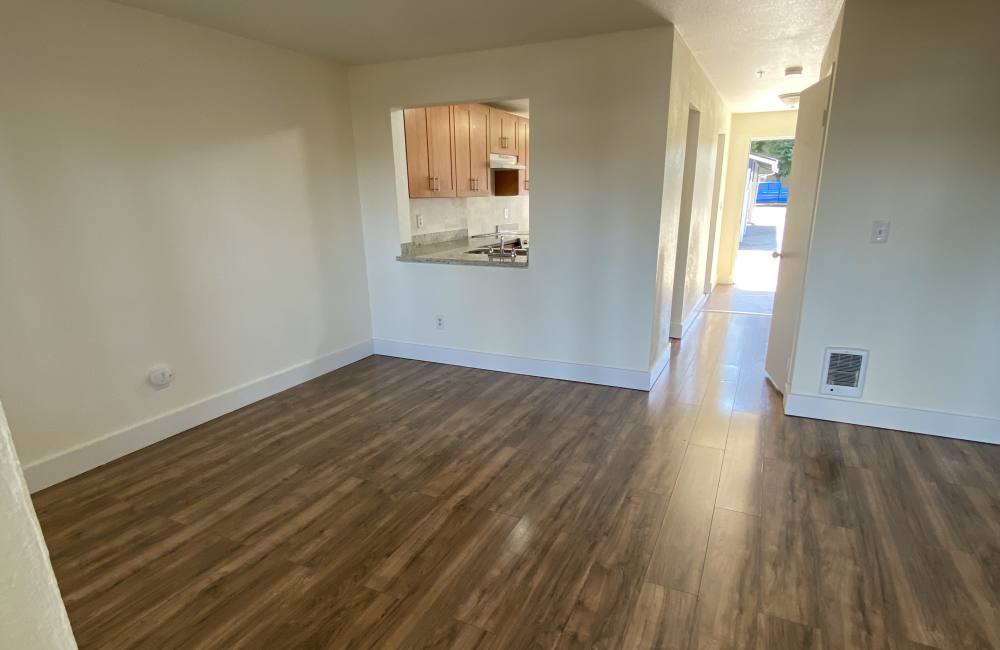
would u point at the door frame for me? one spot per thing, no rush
(692, 131)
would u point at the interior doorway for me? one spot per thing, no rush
(677, 316)
(762, 224)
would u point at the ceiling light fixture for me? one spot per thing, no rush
(790, 99)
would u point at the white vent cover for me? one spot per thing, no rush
(844, 372)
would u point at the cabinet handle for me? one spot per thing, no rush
(430, 183)
(437, 183)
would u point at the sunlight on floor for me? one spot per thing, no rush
(756, 269)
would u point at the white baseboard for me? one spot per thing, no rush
(677, 329)
(774, 384)
(934, 423)
(588, 374)
(659, 367)
(61, 466)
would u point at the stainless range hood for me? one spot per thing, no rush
(504, 161)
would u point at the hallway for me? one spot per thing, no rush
(755, 270)
(398, 503)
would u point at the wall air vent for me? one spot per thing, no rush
(844, 372)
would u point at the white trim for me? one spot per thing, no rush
(658, 368)
(59, 467)
(677, 329)
(883, 416)
(588, 374)
(782, 391)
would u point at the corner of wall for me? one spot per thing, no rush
(32, 613)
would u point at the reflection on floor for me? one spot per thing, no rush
(756, 269)
(729, 297)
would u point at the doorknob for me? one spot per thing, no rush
(776, 255)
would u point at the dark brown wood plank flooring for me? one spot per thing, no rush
(400, 504)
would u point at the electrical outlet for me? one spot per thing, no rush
(439, 322)
(420, 220)
(506, 214)
(880, 232)
(160, 376)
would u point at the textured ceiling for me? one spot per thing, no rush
(731, 38)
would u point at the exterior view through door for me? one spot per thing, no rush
(760, 231)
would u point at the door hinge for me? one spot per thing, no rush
(826, 114)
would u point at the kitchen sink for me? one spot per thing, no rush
(513, 246)
(485, 250)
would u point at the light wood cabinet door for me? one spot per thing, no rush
(430, 168)
(440, 134)
(418, 164)
(523, 155)
(472, 158)
(503, 136)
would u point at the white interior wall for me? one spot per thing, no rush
(598, 133)
(913, 140)
(32, 614)
(714, 233)
(746, 127)
(689, 86)
(168, 193)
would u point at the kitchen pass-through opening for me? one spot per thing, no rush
(463, 181)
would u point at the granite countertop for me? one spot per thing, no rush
(455, 251)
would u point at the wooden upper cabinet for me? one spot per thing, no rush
(472, 158)
(523, 132)
(430, 166)
(418, 167)
(448, 149)
(503, 136)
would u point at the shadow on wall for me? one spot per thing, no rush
(160, 209)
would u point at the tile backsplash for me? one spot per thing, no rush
(478, 214)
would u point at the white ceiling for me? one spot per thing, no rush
(732, 39)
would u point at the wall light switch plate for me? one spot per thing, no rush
(880, 232)
(420, 220)
(506, 214)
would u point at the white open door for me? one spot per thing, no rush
(803, 184)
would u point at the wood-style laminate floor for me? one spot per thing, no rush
(400, 504)
(729, 298)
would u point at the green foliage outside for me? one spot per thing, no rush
(780, 149)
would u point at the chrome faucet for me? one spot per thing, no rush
(498, 252)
